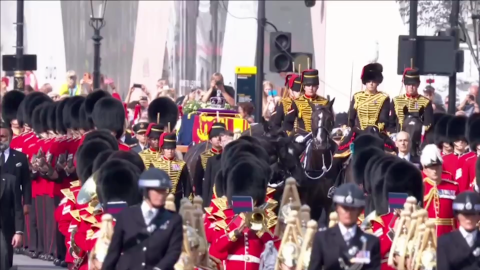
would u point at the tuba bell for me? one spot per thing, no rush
(256, 220)
(88, 192)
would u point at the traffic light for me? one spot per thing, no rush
(280, 51)
(309, 3)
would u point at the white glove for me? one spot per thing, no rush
(477, 188)
(299, 139)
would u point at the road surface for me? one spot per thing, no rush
(26, 263)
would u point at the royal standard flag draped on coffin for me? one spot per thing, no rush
(203, 123)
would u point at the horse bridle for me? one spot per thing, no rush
(324, 167)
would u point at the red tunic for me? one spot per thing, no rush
(438, 201)
(453, 164)
(468, 172)
(45, 184)
(381, 226)
(243, 253)
(85, 236)
(123, 147)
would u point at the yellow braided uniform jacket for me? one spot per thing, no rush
(369, 110)
(179, 175)
(302, 111)
(277, 118)
(148, 156)
(418, 104)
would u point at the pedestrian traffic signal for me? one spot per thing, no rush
(280, 51)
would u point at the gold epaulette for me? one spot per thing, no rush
(270, 190)
(221, 225)
(271, 204)
(68, 194)
(75, 214)
(208, 210)
(75, 183)
(379, 220)
(220, 203)
(90, 234)
(219, 214)
(90, 219)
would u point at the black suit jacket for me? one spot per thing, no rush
(211, 170)
(133, 247)
(17, 165)
(329, 245)
(453, 252)
(11, 211)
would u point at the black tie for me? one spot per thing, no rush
(2, 159)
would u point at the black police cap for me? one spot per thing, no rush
(467, 202)
(349, 195)
(155, 178)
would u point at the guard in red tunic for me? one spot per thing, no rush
(453, 163)
(441, 135)
(10, 105)
(440, 190)
(390, 176)
(238, 243)
(469, 166)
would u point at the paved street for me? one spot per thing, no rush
(26, 263)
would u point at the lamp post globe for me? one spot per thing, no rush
(97, 22)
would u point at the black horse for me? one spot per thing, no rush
(413, 125)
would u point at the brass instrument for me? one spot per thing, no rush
(88, 192)
(290, 201)
(76, 251)
(306, 249)
(257, 221)
(99, 252)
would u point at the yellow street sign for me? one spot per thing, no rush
(246, 70)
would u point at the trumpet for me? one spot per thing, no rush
(88, 192)
(256, 220)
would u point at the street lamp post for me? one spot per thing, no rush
(97, 22)
(19, 82)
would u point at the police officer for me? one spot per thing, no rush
(140, 129)
(157, 233)
(335, 247)
(370, 107)
(294, 84)
(460, 249)
(411, 102)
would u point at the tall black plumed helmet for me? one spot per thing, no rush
(31, 104)
(52, 117)
(85, 156)
(103, 135)
(59, 124)
(71, 113)
(10, 105)
(165, 110)
(90, 102)
(85, 122)
(130, 156)
(360, 160)
(117, 180)
(109, 114)
(21, 113)
(38, 125)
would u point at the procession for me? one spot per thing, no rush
(307, 189)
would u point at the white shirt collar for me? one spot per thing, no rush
(122, 139)
(403, 156)
(465, 233)
(352, 230)
(145, 212)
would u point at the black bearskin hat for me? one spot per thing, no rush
(38, 126)
(71, 113)
(165, 109)
(360, 160)
(401, 177)
(59, 124)
(131, 157)
(109, 114)
(367, 140)
(472, 118)
(341, 119)
(456, 129)
(100, 159)
(103, 135)
(117, 180)
(91, 100)
(247, 178)
(52, 117)
(216, 130)
(21, 113)
(31, 104)
(372, 72)
(85, 123)
(375, 173)
(441, 128)
(85, 156)
(10, 105)
(474, 135)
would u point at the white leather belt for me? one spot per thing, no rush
(244, 258)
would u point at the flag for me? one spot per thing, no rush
(242, 204)
(397, 200)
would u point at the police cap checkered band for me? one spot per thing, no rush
(348, 201)
(466, 207)
(155, 183)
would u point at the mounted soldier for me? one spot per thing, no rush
(293, 84)
(411, 102)
(301, 111)
(370, 107)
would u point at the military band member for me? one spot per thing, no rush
(10, 106)
(87, 110)
(412, 102)
(370, 107)
(468, 168)
(460, 249)
(294, 88)
(301, 111)
(453, 163)
(153, 133)
(440, 190)
(214, 139)
(335, 247)
(175, 168)
(139, 129)
(159, 231)
(441, 135)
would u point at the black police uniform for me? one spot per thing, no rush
(330, 251)
(153, 246)
(453, 250)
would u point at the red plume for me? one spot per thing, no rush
(430, 81)
(287, 79)
(136, 113)
(126, 110)
(405, 71)
(149, 128)
(161, 140)
(180, 110)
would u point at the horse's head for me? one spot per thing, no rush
(322, 124)
(271, 132)
(413, 125)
